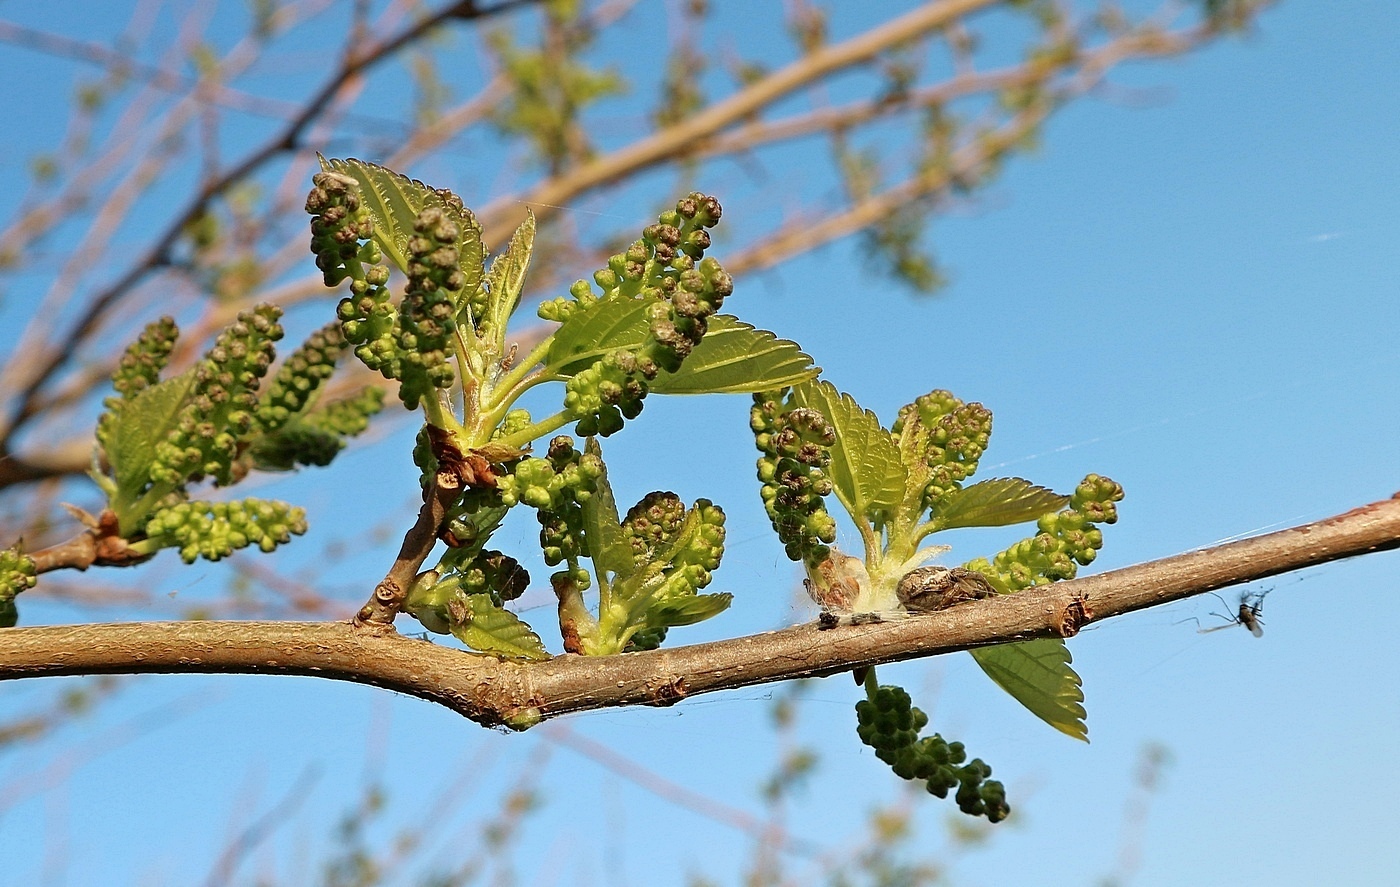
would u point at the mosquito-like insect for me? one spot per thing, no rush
(1250, 608)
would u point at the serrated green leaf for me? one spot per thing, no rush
(997, 502)
(736, 358)
(1037, 674)
(611, 552)
(394, 202)
(507, 275)
(688, 610)
(865, 465)
(594, 331)
(498, 631)
(140, 424)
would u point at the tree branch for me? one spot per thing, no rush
(36, 371)
(498, 218)
(493, 692)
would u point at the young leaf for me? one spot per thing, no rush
(998, 502)
(496, 630)
(594, 331)
(688, 610)
(138, 425)
(1037, 674)
(865, 465)
(507, 274)
(611, 551)
(394, 202)
(736, 358)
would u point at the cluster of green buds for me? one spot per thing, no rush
(299, 377)
(666, 269)
(222, 402)
(339, 225)
(654, 528)
(17, 574)
(556, 487)
(428, 310)
(795, 443)
(213, 530)
(160, 436)
(890, 725)
(1067, 540)
(957, 434)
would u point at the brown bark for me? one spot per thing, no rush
(491, 691)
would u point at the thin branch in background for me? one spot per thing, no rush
(674, 793)
(69, 705)
(1147, 776)
(61, 768)
(28, 375)
(260, 829)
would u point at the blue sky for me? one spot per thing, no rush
(1225, 251)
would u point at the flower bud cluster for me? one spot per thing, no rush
(486, 572)
(17, 574)
(214, 530)
(427, 313)
(1067, 539)
(652, 524)
(888, 723)
(339, 224)
(556, 486)
(221, 404)
(605, 394)
(300, 376)
(143, 359)
(317, 436)
(698, 556)
(667, 269)
(369, 320)
(795, 443)
(956, 437)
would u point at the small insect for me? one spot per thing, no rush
(1251, 607)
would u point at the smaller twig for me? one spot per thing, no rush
(101, 544)
(418, 542)
(77, 553)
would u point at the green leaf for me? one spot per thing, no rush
(140, 424)
(688, 610)
(9, 613)
(507, 275)
(997, 502)
(1037, 675)
(394, 202)
(611, 551)
(736, 358)
(594, 331)
(496, 630)
(865, 465)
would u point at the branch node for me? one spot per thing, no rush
(1072, 615)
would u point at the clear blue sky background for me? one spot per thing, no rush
(1226, 252)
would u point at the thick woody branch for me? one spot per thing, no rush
(491, 692)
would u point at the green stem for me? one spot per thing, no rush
(149, 546)
(436, 414)
(128, 514)
(872, 685)
(505, 388)
(537, 430)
